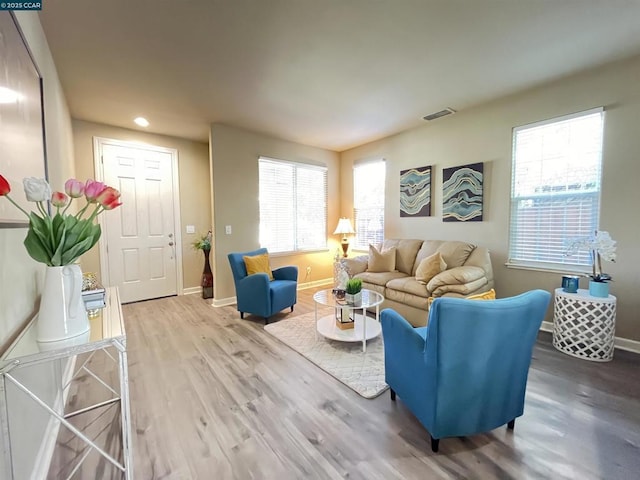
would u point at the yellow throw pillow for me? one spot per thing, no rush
(381, 261)
(258, 264)
(490, 295)
(430, 267)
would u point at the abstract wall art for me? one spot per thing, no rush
(415, 192)
(462, 193)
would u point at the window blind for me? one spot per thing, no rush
(555, 188)
(368, 203)
(293, 206)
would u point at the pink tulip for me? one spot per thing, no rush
(92, 189)
(59, 199)
(108, 198)
(74, 188)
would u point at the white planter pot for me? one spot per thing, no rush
(355, 299)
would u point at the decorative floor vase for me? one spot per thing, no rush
(62, 317)
(598, 289)
(207, 276)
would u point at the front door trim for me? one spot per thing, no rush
(98, 143)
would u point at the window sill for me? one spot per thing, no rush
(550, 268)
(298, 252)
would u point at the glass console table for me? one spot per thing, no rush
(106, 347)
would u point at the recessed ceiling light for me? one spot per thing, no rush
(9, 96)
(143, 122)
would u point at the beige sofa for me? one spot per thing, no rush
(468, 271)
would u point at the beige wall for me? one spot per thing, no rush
(195, 187)
(484, 134)
(235, 154)
(20, 276)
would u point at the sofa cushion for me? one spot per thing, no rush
(453, 252)
(416, 301)
(381, 261)
(406, 251)
(355, 265)
(379, 278)
(408, 285)
(430, 267)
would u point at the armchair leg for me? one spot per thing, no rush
(512, 424)
(266, 320)
(393, 394)
(292, 308)
(435, 444)
(241, 314)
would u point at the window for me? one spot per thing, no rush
(293, 206)
(368, 204)
(555, 189)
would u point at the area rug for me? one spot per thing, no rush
(361, 371)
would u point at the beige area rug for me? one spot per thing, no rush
(362, 372)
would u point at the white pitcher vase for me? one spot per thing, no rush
(62, 318)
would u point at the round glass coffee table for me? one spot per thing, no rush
(364, 327)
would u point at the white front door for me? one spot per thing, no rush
(140, 235)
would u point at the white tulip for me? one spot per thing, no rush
(36, 189)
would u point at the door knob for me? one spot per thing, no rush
(171, 244)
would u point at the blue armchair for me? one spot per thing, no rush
(466, 371)
(257, 295)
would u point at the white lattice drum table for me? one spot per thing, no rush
(584, 326)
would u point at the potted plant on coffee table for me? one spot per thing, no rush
(354, 291)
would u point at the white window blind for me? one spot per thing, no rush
(368, 203)
(555, 188)
(293, 206)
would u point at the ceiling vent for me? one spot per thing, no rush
(441, 113)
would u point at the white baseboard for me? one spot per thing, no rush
(619, 342)
(191, 290)
(317, 283)
(50, 437)
(225, 302)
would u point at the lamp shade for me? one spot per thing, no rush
(344, 227)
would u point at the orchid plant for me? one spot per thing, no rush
(601, 247)
(62, 238)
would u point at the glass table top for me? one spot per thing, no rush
(369, 299)
(105, 325)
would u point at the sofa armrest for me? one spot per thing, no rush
(460, 280)
(289, 272)
(355, 265)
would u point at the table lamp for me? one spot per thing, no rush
(344, 227)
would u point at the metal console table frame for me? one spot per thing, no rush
(107, 330)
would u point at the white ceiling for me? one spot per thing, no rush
(328, 73)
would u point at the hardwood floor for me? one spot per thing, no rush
(215, 397)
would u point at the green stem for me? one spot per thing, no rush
(68, 205)
(82, 210)
(42, 210)
(17, 206)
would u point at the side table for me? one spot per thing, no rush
(584, 326)
(107, 338)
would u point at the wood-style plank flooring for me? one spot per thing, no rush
(215, 397)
